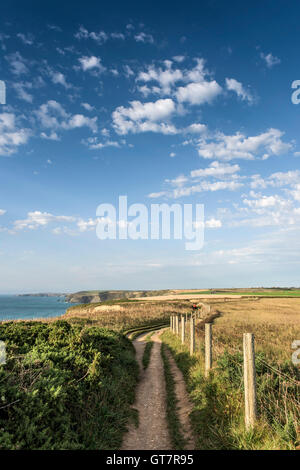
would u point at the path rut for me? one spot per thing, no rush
(152, 432)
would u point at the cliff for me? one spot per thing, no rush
(86, 297)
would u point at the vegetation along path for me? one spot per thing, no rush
(152, 432)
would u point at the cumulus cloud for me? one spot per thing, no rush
(165, 78)
(17, 63)
(145, 117)
(196, 128)
(59, 78)
(27, 39)
(93, 143)
(53, 116)
(51, 136)
(143, 37)
(22, 93)
(270, 60)
(2, 211)
(229, 147)
(91, 63)
(100, 37)
(87, 106)
(198, 188)
(11, 136)
(38, 219)
(239, 89)
(63, 224)
(198, 93)
(216, 170)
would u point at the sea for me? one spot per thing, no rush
(13, 307)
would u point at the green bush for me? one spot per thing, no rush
(64, 386)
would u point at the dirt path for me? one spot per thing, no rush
(152, 433)
(184, 404)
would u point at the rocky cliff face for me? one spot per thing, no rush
(101, 296)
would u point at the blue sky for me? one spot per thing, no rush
(162, 102)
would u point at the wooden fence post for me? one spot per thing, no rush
(182, 329)
(249, 380)
(192, 336)
(177, 324)
(208, 348)
(173, 324)
(170, 322)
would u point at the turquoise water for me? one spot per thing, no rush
(13, 307)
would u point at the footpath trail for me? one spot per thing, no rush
(152, 432)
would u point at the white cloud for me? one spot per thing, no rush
(100, 37)
(164, 77)
(85, 225)
(198, 188)
(172, 154)
(216, 170)
(128, 71)
(144, 117)
(11, 137)
(196, 128)
(38, 219)
(59, 78)
(79, 120)
(179, 58)
(198, 93)
(51, 136)
(264, 201)
(87, 106)
(94, 144)
(238, 88)
(276, 180)
(213, 223)
(27, 39)
(22, 93)
(53, 116)
(270, 59)
(143, 37)
(17, 63)
(2, 211)
(228, 147)
(92, 62)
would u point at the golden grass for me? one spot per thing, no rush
(275, 323)
(126, 315)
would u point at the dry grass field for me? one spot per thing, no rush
(275, 323)
(124, 315)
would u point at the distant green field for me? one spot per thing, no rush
(271, 293)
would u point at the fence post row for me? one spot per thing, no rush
(249, 380)
(208, 348)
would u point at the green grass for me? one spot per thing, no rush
(174, 425)
(147, 354)
(218, 403)
(65, 386)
